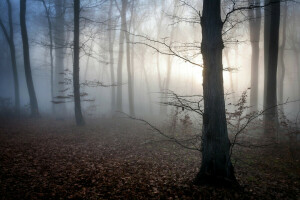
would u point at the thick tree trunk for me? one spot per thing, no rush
(32, 96)
(254, 25)
(111, 38)
(10, 40)
(120, 60)
(271, 59)
(216, 165)
(76, 84)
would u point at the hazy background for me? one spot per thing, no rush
(185, 79)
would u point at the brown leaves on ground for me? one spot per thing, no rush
(47, 159)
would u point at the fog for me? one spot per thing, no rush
(185, 78)
(143, 60)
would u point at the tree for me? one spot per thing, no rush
(48, 15)
(216, 165)
(9, 35)
(32, 96)
(281, 57)
(271, 40)
(59, 41)
(111, 39)
(254, 25)
(76, 85)
(169, 61)
(120, 58)
(129, 72)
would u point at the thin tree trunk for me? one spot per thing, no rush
(281, 58)
(88, 61)
(32, 96)
(120, 60)
(13, 59)
(130, 85)
(10, 40)
(50, 49)
(161, 86)
(132, 53)
(216, 165)
(111, 38)
(76, 84)
(59, 41)
(147, 84)
(169, 61)
(271, 56)
(230, 72)
(254, 25)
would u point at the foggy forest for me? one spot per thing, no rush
(149, 99)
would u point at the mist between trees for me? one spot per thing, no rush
(214, 66)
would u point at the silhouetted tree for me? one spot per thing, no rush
(32, 96)
(271, 40)
(9, 35)
(76, 85)
(216, 165)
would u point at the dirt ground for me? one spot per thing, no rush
(123, 159)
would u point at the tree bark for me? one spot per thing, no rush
(216, 165)
(254, 25)
(10, 40)
(32, 96)
(271, 58)
(76, 84)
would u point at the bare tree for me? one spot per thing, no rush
(281, 57)
(271, 39)
(9, 35)
(216, 164)
(111, 39)
(32, 96)
(59, 41)
(129, 69)
(254, 25)
(48, 15)
(121, 52)
(171, 39)
(76, 85)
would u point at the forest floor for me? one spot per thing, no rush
(49, 159)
